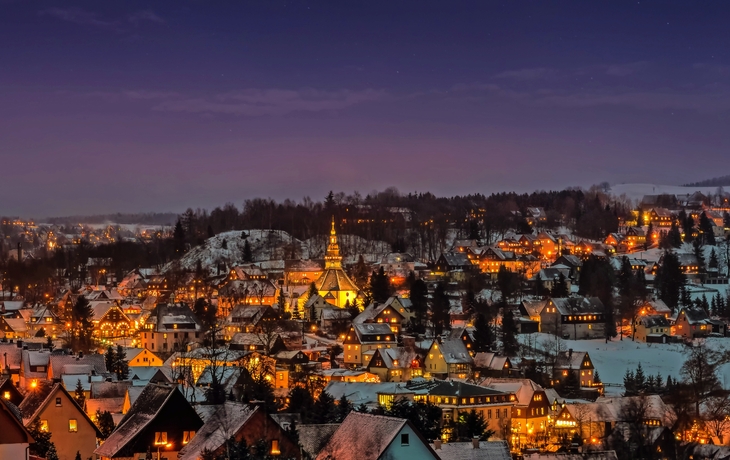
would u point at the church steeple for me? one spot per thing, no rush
(333, 259)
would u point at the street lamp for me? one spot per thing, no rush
(167, 446)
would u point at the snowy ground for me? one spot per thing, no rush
(612, 359)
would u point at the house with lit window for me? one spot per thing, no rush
(398, 364)
(595, 421)
(33, 367)
(448, 359)
(376, 437)
(652, 329)
(110, 321)
(43, 317)
(302, 272)
(577, 362)
(531, 409)
(137, 357)
(692, 323)
(8, 390)
(170, 328)
(635, 238)
(385, 313)
(55, 410)
(573, 318)
(488, 364)
(160, 420)
(365, 337)
(242, 422)
(13, 328)
(456, 398)
(14, 437)
(659, 217)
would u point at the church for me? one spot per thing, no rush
(334, 285)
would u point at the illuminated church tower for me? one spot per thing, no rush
(334, 284)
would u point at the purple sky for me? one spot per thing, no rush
(158, 106)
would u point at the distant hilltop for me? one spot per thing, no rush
(147, 218)
(722, 181)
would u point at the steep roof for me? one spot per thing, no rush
(578, 305)
(37, 399)
(149, 403)
(364, 437)
(225, 421)
(570, 359)
(335, 279)
(454, 351)
(314, 437)
(488, 450)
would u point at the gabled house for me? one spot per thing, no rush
(382, 313)
(362, 338)
(577, 362)
(302, 272)
(449, 359)
(375, 437)
(14, 437)
(13, 328)
(453, 261)
(652, 329)
(574, 318)
(33, 367)
(396, 364)
(8, 390)
(170, 328)
(531, 410)
(11, 358)
(492, 365)
(240, 422)
(55, 410)
(110, 321)
(692, 323)
(314, 305)
(160, 418)
(43, 317)
(142, 357)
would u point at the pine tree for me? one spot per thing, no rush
(79, 395)
(670, 280)
(560, 287)
(324, 409)
(419, 303)
(247, 254)
(121, 364)
(714, 263)
(483, 338)
(52, 454)
(649, 236)
(509, 332)
(440, 307)
(639, 379)
(105, 423)
(380, 287)
(629, 384)
(82, 326)
(78, 455)
(43, 443)
(674, 236)
(596, 378)
(344, 407)
(704, 305)
(110, 359)
(706, 232)
(178, 238)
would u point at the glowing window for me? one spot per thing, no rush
(73, 426)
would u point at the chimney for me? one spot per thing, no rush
(436, 444)
(20, 252)
(81, 355)
(475, 442)
(570, 353)
(20, 343)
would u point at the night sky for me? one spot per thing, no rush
(111, 106)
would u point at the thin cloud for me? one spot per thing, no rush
(528, 74)
(83, 17)
(79, 16)
(145, 16)
(262, 102)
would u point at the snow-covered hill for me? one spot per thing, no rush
(636, 192)
(266, 245)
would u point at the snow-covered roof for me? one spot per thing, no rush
(364, 437)
(487, 450)
(223, 421)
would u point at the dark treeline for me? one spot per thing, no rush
(399, 219)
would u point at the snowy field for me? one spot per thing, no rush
(612, 359)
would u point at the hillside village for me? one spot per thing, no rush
(595, 330)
